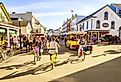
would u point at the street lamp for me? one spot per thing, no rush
(19, 20)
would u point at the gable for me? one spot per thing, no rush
(4, 16)
(98, 11)
(110, 11)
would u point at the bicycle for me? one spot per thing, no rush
(3, 55)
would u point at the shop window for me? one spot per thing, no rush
(80, 27)
(106, 16)
(87, 24)
(113, 25)
(83, 26)
(98, 24)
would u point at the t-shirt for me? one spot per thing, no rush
(53, 47)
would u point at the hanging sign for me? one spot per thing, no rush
(105, 24)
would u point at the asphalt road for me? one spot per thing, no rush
(106, 72)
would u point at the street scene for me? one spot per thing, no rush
(43, 43)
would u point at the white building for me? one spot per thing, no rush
(64, 28)
(103, 21)
(75, 20)
(38, 28)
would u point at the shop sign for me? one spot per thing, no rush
(105, 25)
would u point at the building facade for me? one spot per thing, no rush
(29, 24)
(103, 21)
(6, 27)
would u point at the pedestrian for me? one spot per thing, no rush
(36, 52)
(80, 51)
(26, 44)
(94, 39)
(37, 44)
(11, 42)
(40, 45)
(15, 42)
(53, 51)
(30, 43)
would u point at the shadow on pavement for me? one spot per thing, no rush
(112, 52)
(43, 68)
(105, 72)
(18, 66)
(99, 55)
(62, 63)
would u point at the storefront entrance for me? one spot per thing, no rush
(97, 34)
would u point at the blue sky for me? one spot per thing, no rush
(52, 13)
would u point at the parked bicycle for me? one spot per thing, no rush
(5, 53)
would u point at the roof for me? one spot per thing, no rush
(97, 12)
(5, 11)
(117, 5)
(87, 17)
(27, 17)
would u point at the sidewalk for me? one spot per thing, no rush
(43, 72)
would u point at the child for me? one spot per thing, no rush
(36, 52)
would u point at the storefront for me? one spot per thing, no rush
(3, 34)
(6, 30)
(12, 32)
(96, 33)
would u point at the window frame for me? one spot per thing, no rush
(106, 14)
(98, 24)
(87, 24)
(119, 12)
(83, 26)
(113, 23)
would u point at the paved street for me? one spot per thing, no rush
(106, 72)
(68, 69)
